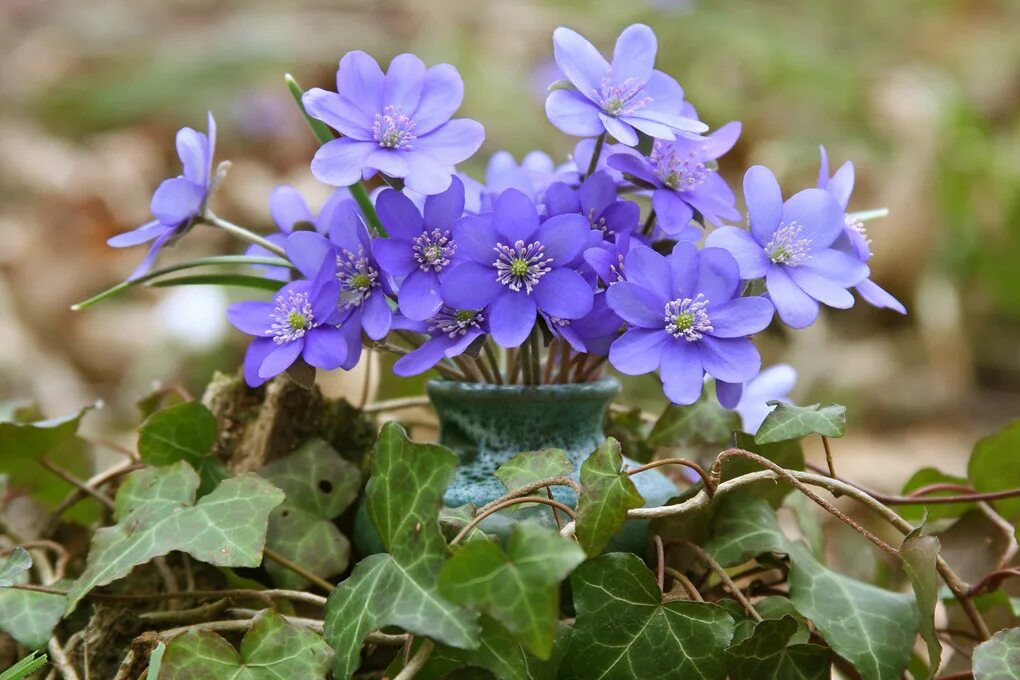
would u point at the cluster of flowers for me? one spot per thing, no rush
(538, 258)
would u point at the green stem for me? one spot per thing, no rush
(242, 233)
(201, 262)
(594, 163)
(324, 134)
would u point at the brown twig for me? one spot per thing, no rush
(828, 455)
(298, 569)
(496, 506)
(660, 563)
(725, 578)
(77, 483)
(490, 356)
(915, 499)
(709, 487)
(97, 481)
(555, 513)
(60, 661)
(59, 568)
(417, 661)
(686, 584)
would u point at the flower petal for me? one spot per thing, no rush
(394, 256)
(340, 162)
(398, 215)
(636, 305)
(470, 285)
(511, 318)
(718, 275)
(426, 175)
(619, 130)
(578, 59)
(256, 353)
(339, 112)
(441, 96)
(672, 213)
(563, 237)
(634, 54)
(796, 308)
(515, 217)
(564, 293)
(877, 296)
(651, 271)
(176, 200)
(253, 317)
(376, 316)
(837, 266)
(728, 393)
(422, 359)
(842, 184)
(764, 201)
(560, 199)
(442, 210)
(476, 238)
(750, 256)
(193, 150)
(682, 373)
(142, 234)
(818, 213)
(279, 358)
(360, 81)
(740, 317)
(325, 348)
(308, 251)
(636, 165)
(683, 271)
(573, 113)
(729, 359)
(419, 295)
(820, 288)
(403, 83)
(288, 207)
(451, 143)
(638, 351)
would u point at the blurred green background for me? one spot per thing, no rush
(923, 96)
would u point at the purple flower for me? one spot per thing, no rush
(583, 152)
(290, 211)
(791, 244)
(421, 247)
(855, 239)
(292, 325)
(346, 257)
(519, 267)
(531, 176)
(683, 182)
(620, 98)
(177, 201)
(451, 332)
(607, 259)
(772, 384)
(397, 123)
(688, 320)
(596, 199)
(593, 332)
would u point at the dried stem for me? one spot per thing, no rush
(298, 569)
(685, 583)
(678, 461)
(395, 404)
(94, 482)
(60, 661)
(417, 661)
(496, 506)
(77, 483)
(725, 578)
(660, 563)
(490, 356)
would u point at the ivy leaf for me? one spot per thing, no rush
(452, 520)
(872, 628)
(607, 493)
(519, 587)
(319, 485)
(183, 432)
(993, 467)
(766, 656)
(789, 421)
(771, 607)
(629, 428)
(30, 616)
(25, 438)
(157, 514)
(976, 545)
(999, 657)
(499, 653)
(272, 649)
(705, 421)
(532, 466)
(919, 554)
(926, 477)
(13, 566)
(404, 495)
(624, 630)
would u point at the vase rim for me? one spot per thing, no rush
(604, 387)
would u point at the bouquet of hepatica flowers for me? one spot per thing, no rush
(625, 254)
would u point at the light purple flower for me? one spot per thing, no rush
(451, 332)
(855, 239)
(583, 152)
(687, 320)
(347, 257)
(518, 266)
(683, 182)
(772, 384)
(397, 123)
(177, 201)
(531, 177)
(791, 245)
(421, 249)
(622, 97)
(293, 325)
(608, 215)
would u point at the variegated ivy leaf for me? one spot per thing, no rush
(273, 649)
(607, 493)
(919, 555)
(998, 658)
(399, 588)
(319, 485)
(13, 566)
(789, 421)
(520, 587)
(765, 655)
(872, 628)
(30, 616)
(706, 421)
(156, 514)
(624, 630)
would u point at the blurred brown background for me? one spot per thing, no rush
(924, 97)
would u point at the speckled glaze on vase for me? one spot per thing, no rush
(487, 425)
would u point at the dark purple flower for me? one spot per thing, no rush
(688, 320)
(593, 332)
(397, 123)
(772, 384)
(791, 244)
(451, 332)
(607, 259)
(421, 248)
(855, 239)
(292, 325)
(346, 255)
(683, 181)
(596, 199)
(177, 201)
(519, 267)
(290, 211)
(620, 98)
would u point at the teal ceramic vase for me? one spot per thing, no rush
(487, 425)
